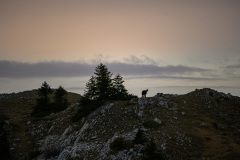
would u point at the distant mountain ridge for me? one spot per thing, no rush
(10, 95)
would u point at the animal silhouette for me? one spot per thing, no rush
(144, 93)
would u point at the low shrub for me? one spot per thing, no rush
(140, 137)
(52, 151)
(52, 108)
(3, 117)
(34, 154)
(211, 93)
(126, 97)
(151, 152)
(120, 144)
(151, 124)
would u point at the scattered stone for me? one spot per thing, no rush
(94, 137)
(67, 130)
(163, 104)
(143, 102)
(50, 129)
(229, 96)
(17, 140)
(157, 120)
(140, 114)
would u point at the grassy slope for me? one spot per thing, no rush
(201, 113)
(18, 109)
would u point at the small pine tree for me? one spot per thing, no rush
(91, 87)
(120, 91)
(43, 102)
(60, 98)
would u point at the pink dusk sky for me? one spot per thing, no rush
(168, 46)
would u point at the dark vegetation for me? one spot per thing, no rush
(44, 105)
(15, 110)
(140, 137)
(151, 152)
(101, 89)
(33, 154)
(151, 124)
(4, 144)
(121, 144)
(60, 99)
(52, 151)
(87, 107)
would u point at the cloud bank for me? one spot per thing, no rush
(19, 70)
(236, 66)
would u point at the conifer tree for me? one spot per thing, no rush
(91, 89)
(60, 97)
(100, 86)
(103, 82)
(119, 89)
(43, 102)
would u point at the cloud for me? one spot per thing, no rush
(11, 69)
(143, 69)
(175, 77)
(143, 60)
(199, 86)
(236, 66)
(232, 71)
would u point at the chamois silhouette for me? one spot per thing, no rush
(144, 93)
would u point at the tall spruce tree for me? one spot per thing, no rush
(104, 82)
(100, 86)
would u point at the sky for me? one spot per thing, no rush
(167, 46)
